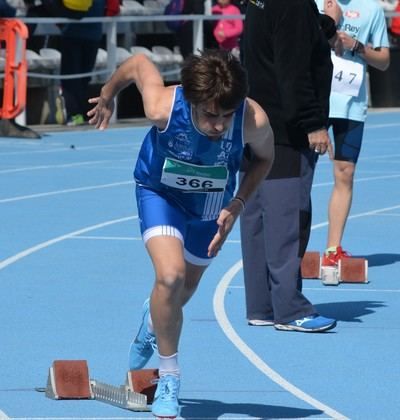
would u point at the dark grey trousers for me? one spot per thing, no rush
(275, 229)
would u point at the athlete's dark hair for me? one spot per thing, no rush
(214, 75)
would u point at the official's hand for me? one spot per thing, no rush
(320, 142)
(336, 44)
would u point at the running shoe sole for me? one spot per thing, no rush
(287, 327)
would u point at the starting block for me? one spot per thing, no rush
(349, 270)
(70, 380)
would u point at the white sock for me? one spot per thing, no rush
(169, 365)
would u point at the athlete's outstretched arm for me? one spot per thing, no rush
(140, 70)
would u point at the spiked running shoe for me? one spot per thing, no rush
(311, 323)
(165, 404)
(331, 258)
(143, 346)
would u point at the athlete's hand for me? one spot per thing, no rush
(347, 41)
(101, 113)
(225, 223)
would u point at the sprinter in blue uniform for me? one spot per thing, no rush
(186, 188)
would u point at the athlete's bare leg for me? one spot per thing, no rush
(174, 285)
(340, 201)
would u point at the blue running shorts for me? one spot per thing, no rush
(347, 135)
(159, 216)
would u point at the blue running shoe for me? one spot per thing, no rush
(311, 323)
(143, 346)
(165, 404)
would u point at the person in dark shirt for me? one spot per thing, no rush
(184, 34)
(6, 10)
(79, 46)
(287, 56)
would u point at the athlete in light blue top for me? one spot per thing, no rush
(186, 187)
(362, 29)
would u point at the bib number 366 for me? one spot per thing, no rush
(193, 178)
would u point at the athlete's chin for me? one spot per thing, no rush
(215, 136)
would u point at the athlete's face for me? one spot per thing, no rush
(212, 120)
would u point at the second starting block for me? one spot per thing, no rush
(349, 270)
(70, 380)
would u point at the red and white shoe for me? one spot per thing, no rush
(331, 259)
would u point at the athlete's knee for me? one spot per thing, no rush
(171, 280)
(344, 173)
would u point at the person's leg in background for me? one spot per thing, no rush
(348, 137)
(77, 56)
(71, 57)
(282, 209)
(259, 310)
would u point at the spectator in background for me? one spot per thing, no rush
(6, 10)
(79, 45)
(363, 32)
(227, 31)
(184, 35)
(394, 26)
(8, 127)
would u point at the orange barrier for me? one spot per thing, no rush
(13, 34)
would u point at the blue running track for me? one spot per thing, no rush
(74, 274)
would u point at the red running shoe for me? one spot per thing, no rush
(332, 258)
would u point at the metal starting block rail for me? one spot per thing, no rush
(348, 270)
(119, 396)
(69, 380)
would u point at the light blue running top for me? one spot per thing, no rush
(189, 169)
(365, 21)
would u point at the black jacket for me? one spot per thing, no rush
(288, 60)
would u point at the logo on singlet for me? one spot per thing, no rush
(181, 146)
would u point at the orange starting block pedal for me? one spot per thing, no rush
(143, 381)
(311, 265)
(353, 270)
(349, 270)
(69, 379)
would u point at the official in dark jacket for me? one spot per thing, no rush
(287, 56)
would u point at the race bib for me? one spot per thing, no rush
(347, 76)
(193, 178)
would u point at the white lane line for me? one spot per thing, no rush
(66, 148)
(130, 238)
(108, 238)
(218, 307)
(67, 165)
(69, 190)
(337, 289)
(226, 326)
(368, 126)
(219, 310)
(356, 216)
(93, 187)
(38, 247)
(357, 180)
